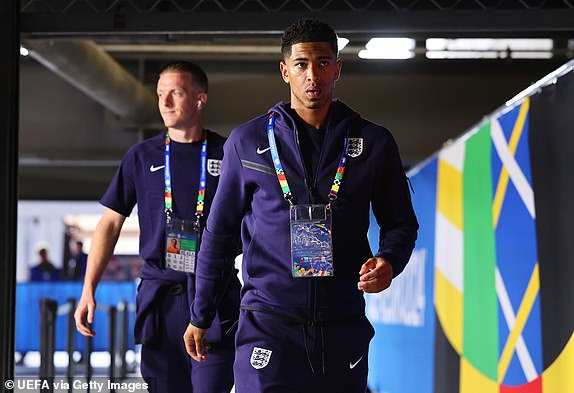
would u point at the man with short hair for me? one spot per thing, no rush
(172, 178)
(76, 266)
(300, 182)
(44, 271)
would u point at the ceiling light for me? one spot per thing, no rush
(388, 48)
(342, 43)
(543, 44)
(445, 54)
(436, 43)
(531, 55)
(486, 44)
(387, 43)
(24, 51)
(398, 55)
(489, 48)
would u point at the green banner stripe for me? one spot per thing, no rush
(480, 336)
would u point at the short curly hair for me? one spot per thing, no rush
(308, 30)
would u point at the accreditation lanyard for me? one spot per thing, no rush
(281, 174)
(202, 178)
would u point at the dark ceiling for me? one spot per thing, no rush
(69, 133)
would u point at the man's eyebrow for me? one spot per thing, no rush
(323, 57)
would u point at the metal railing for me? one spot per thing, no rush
(117, 339)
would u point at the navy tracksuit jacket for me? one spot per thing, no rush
(249, 196)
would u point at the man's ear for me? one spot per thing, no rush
(201, 100)
(284, 71)
(339, 65)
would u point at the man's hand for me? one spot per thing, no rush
(195, 345)
(376, 275)
(84, 315)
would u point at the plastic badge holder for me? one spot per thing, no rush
(311, 245)
(182, 241)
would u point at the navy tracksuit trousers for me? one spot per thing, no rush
(166, 366)
(275, 355)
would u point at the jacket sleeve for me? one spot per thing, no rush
(393, 210)
(220, 237)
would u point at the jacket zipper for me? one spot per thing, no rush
(314, 285)
(307, 185)
(312, 288)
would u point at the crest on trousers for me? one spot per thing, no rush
(214, 167)
(260, 357)
(354, 147)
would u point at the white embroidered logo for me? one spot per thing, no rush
(262, 151)
(260, 357)
(214, 167)
(354, 147)
(353, 365)
(153, 169)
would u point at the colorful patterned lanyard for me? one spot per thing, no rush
(281, 174)
(202, 177)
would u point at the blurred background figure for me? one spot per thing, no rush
(76, 267)
(45, 269)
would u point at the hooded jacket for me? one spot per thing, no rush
(249, 196)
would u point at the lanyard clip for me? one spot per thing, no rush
(197, 224)
(289, 198)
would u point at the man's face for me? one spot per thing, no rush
(178, 100)
(311, 71)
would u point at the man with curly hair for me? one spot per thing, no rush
(300, 182)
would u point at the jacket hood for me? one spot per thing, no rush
(337, 111)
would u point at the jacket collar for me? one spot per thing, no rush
(340, 116)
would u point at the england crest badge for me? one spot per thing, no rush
(260, 357)
(214, 167)
(354, 147)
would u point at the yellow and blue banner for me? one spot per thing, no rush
(486, 303)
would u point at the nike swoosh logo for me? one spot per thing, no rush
(353, 365)
(155, 168)
(261, 151)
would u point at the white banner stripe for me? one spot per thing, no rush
(521, 349)
(449, 252)
(516, 175)
(454, 155)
